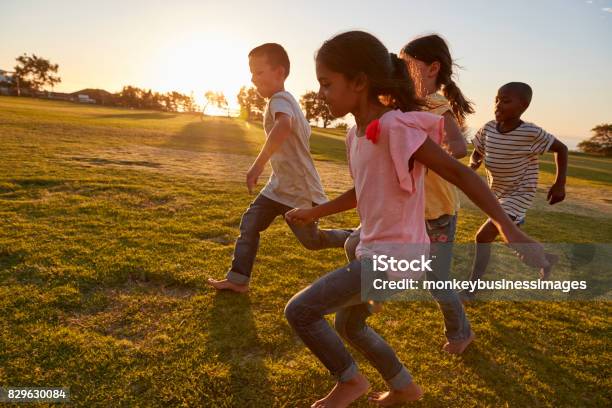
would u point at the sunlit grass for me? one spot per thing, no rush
(103, 262)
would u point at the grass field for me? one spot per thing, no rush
(111, 220)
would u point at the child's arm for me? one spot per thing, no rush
(432, 156)
(475, 160)
(454, 141)
(556, 193)
(280, 131)
(344, 202)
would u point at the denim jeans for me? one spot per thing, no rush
(339, 291)
(257, 218)
(441, 233)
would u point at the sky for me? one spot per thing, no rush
(560, 47)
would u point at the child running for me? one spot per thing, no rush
(294, 181)
(510, 148)
(430, 66)
(388, 149)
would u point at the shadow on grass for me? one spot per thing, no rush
(9, 259)
(557, 386)
(151, 115)
(233, 338)
(215, 135)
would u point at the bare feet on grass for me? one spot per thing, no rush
(458, 347)
(412, 392)
(224, 284)
(344, 393)
(375, 307)
(545, 272)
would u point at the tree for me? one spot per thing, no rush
(252, 104)
(315, 108)
(131, 97)
(34, 72)
(342, 126)
(600, 142)
(216, 99)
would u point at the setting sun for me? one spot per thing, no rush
(199, 62)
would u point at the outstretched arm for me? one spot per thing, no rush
(556, 193)
(475, 160)
(279, 133)
(432, 156)
(344, 202)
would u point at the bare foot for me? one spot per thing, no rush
(458, 347)
(552, 260)
(466, 297)
(412, 392)
(224, 284)
(375, 307)
(344, 393)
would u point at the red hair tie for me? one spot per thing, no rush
(372, 130)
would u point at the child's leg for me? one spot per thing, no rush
(350, 245)
(256, 218)
(457, 328)
(350, 323)
(485, 235)
(305, 313)
(314, 238)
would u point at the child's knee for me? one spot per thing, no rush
(350, 246)
(486, 234)
(297, 313)
(309, 242)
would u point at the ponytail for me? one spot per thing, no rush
(460, 106)
(398, 89)
(432, 48)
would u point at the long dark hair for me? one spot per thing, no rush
(357, 52)
(429, 49)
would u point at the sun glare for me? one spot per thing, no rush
(200, 63)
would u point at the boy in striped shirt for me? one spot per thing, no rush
(510, 149)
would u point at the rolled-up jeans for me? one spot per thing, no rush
(340, 292)
(441, 233)
(257, 218)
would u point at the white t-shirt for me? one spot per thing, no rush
(511, 163)
(294, 180)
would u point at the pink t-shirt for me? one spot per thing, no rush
(390, 192)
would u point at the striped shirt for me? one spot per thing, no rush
(511, 163)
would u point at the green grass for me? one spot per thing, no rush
(103, 261)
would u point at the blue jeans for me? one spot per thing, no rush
(257, 218)
(340, 291)
(441, 233)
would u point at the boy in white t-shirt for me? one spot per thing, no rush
(294, 181)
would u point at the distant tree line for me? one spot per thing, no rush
(33, 74)
(134, 97)
(600, 142)
(252, 107)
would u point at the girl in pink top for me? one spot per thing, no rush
(388, 150)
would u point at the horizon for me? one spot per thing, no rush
(200, 46)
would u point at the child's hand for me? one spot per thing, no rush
(475, 160)
(530, 251)
(300, 216)
(474, 165)
(556, 194)
(252, 176)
